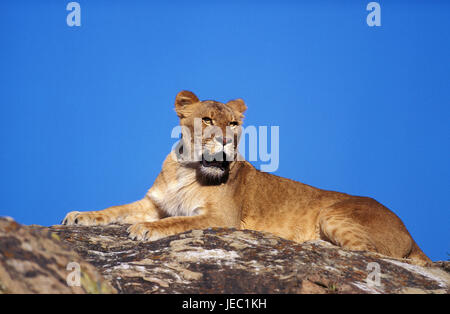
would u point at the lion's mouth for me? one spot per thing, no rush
(217, 160)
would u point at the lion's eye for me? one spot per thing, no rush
(207, 120)
(233, 123)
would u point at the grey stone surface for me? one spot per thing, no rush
(214, 260)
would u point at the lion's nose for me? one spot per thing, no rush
(224, 140)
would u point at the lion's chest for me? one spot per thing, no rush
(180, 197)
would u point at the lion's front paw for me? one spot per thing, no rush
(85, 219)
(144, 231)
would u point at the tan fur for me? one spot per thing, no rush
(188, 196)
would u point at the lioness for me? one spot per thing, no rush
(196, 193)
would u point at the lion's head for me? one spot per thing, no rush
(210, 135)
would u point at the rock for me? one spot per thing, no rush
(214, 260)
(35, 260)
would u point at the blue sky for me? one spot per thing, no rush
(86, 112)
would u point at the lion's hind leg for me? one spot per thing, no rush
(345, 232)
(363, 224)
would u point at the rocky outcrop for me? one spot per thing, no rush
(215, 260)
(35, 260)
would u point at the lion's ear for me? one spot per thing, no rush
(237, 105)
(183, 99)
